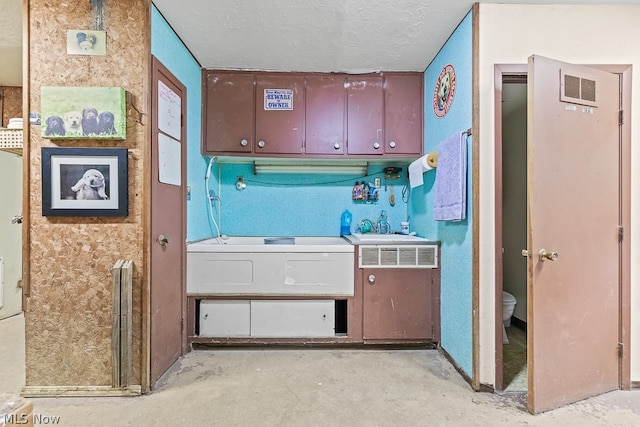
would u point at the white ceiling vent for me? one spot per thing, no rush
(388, 256)
(575, 89)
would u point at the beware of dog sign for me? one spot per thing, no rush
(278, 99)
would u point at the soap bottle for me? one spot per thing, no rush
(356, 193)
(345, 223)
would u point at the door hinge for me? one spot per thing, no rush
(620, 115)
(620, 349)
(620, 233)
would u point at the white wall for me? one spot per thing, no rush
(587, 34)
(11, 234)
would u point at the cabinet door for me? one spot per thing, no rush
(279, 113)
(228, 112)
(292, 319)
(397, 304)
(225, 318)
(325, 114)
(364, 115)
(403, 113)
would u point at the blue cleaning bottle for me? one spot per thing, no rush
(345, 223)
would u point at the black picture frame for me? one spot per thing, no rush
(84, 181)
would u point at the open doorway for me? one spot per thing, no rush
(514, 234)
(11, 206)
(518, 179)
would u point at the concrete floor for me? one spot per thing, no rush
(308, 387)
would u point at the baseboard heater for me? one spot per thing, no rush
(121, 274)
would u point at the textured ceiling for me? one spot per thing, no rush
(293, 35)
(323, 35)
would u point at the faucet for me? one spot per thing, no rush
(366, 226)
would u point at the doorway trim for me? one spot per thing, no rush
(517, 73)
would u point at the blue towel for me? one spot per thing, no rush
(450, 203)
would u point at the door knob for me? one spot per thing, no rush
(526, 253)
(163, 240)
(371, 279)
(544, 255)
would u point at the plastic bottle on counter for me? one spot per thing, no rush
(383, 224)
(345, 223)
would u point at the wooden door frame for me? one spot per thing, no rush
(517, 73)
(156, 68)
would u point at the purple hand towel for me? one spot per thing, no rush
(450, 202)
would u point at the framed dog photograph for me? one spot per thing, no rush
(83, 112)
(84, 181)
(86, 42)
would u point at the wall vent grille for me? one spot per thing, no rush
(389, 256)
(577, 90)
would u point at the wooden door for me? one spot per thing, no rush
(397, 304)
(573, 213)
(228, 112)
(325, 114)
(403, 113)
(168, 224)
(364, 115)
(279, 113)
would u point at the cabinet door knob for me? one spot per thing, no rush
(376, 145)
(371, 279)
(261, 144)
(392, 144)
(244, 142)
(336, 145)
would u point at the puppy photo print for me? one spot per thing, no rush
(84, 181)
(83, 113)
(86, 42)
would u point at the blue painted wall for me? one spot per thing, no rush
(169, 49)
(301, 205)
(456, 237)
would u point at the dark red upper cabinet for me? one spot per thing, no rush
(325, 114)
(403, 129)
(279, 113)
(365, 133)
(228, 112)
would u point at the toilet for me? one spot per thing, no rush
(508, 305)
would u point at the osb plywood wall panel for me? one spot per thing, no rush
(68, 317)
(10, 103)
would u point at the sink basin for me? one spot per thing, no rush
(384, 238)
